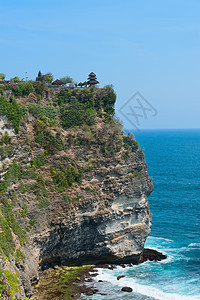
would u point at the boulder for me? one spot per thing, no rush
(127, 289)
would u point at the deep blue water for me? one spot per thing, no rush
(173, 159)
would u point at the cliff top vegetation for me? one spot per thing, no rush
(53, 143)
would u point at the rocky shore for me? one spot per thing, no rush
(72, 281)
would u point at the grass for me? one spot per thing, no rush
(12, 279)
(59, 284)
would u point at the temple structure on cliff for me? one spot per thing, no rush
(92, 79)
(40, 77)
(58, 82)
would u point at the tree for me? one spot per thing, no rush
(15, 79)
(49, 77)
(67, 79)
(2, 76)
(110, 96)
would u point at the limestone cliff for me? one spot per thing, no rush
(67, 194)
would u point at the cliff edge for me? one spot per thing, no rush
(74, 187)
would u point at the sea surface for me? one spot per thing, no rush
(173, 159)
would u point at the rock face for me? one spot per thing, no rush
(103, 218)
(115, 232)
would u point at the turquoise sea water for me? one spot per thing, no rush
(173, 159)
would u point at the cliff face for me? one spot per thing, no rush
(76, 195)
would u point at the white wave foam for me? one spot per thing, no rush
(144, 290)
(194, 245)
(159, 238)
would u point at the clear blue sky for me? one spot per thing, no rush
(148, 46)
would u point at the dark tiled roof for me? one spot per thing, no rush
(57, 82)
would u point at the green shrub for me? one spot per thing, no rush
(109, 110)
(67, 79)
(130, 141)
(106, 96)
(13, 174)
(77, 198)
(66, 198)
(12, 110)
(32, 222)
(49, 77)
(38, 161)
(65, 176)
(2, 76)
(126, 155)
(137, 173)
(142, 153)
(19, 256)
(13, 282)
(7, 245)
(77, 114)
(29, 172)
(6, 150)
(43, 203)
(38, 86)
(5, 139)
(47, 114)
(63, 97)
(22, 89)
(15, 79)
(24, 210)
(87, 189)
(84, 96)
(17, 229)
(44, 137)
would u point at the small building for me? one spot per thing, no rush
(58, 82)
(41, 78)
(92, 79)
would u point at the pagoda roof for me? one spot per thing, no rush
(58, 82)
(91, 81)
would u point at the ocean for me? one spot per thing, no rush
(173, 160)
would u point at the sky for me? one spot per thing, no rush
(148, 50)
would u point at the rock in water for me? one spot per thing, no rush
(152, 255)
(119, 277)
(127, 289)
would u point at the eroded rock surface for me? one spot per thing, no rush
(104, 217)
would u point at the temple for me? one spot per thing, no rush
(58, 82)
(40, 77)
(92, 79)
